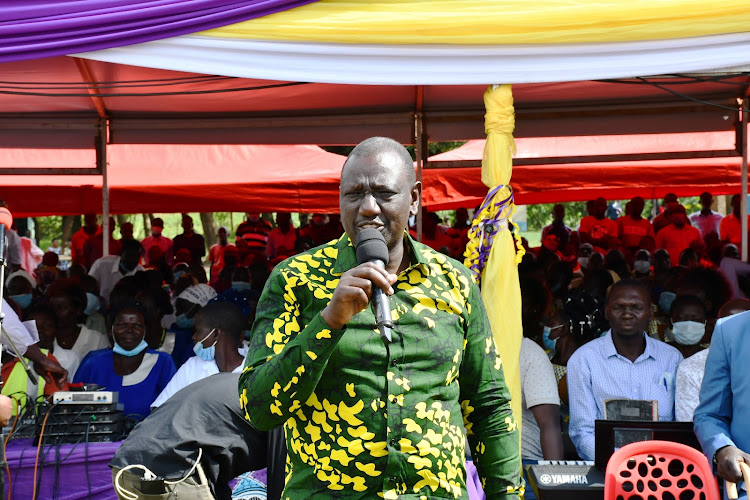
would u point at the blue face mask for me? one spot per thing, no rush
(549, 344)
(205, 353)
(665, 301)
(133, 352)
(184, 322)
(92, 304)
(23, 300)
(241, 286)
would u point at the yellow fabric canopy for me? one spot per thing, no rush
(476, 22)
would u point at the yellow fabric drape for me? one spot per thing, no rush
(497, 272)
(494, 22)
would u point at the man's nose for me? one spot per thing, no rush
(369, 205)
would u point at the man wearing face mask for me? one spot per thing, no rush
(688, 328)
(187, 305)
(679, 235)
(21, 288)
(642, 265)
(688, 324)
(219, 330)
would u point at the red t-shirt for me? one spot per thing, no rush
(631, 231)
(676, 240)
(598, 228)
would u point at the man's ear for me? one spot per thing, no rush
(416, 195)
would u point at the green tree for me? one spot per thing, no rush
(538, 216)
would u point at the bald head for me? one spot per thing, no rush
(377, 146)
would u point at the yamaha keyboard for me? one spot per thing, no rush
(566, 480)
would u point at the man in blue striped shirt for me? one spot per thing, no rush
(623, 364)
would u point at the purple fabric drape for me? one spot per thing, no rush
(31, 29)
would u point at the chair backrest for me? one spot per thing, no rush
(656, 470)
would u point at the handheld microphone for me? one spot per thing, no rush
(6, 221)
(371, 247)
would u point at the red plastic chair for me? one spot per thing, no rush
(659, 470)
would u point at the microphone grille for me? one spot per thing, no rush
(371, 246)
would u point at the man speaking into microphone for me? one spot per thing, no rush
(366, 416)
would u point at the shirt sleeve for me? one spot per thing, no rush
(686, 398)
(95, 271)
(582, 405)
(16, 330)
(286, 359)
(485, 401)
(539, 383)
(180, 380)
(714, 412)
(167, 372)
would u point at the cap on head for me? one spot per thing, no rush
(199, 294)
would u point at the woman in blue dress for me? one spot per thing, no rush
(137, 373)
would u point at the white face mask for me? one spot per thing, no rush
(642, 266)
(688, 332)
(584, 261)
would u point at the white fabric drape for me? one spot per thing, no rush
(432, 64)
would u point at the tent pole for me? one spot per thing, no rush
(743, 143)
(101, 164)
(421, 154)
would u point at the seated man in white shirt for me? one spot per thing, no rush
(110, 269)
(219, 330)
(623, 364)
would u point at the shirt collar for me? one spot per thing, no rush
(347, 257)
(116, 265)
(610, 349)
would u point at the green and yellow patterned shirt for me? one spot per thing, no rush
(363, 420)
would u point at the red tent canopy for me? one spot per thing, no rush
(209, 178)
(176, 178)
(559, 182)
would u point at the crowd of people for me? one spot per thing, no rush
(148, 320)
(590, 293)
(142, 320)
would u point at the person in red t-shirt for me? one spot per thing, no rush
(678, 236)
(597, 226)
(633, 227)
(730, 227)
(216, 253)
(78, 240)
